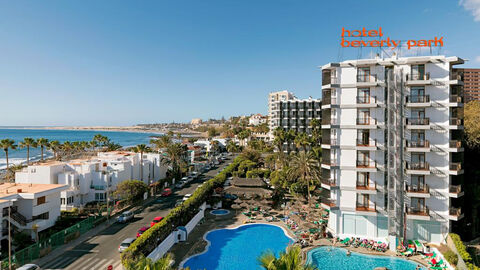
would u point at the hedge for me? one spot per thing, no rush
(178, 216)
(462, 250)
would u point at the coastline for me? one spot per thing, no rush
(106, 128)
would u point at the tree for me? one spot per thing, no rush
(42, 143)
(175, 158)
(280, 138)
(131, 190)
(99, 140)
(291, 259)
(232, 147)
(141, 148)
(472, 123)
(212, 132)
(302, 140)
(111, 146)
(7, 144)
(67, 147)
(306, 167)
(27, 143)
(54, 146)
(162, 142)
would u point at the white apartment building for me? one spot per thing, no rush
(33, 207)
(257, 119)
(92, 179)
(391, 131)
(274, 97)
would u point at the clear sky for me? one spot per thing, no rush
(126, 62)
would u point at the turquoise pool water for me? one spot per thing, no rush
(238, 249)
(219, 212)
(328, 258)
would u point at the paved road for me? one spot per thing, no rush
(100, 251)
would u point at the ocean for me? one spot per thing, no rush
(20, 155)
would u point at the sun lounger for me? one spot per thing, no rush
(345, 241)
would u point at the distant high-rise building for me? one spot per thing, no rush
(274, 97)
(471, 80)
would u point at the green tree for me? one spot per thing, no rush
(302, 140)
(141, 148)
(7, 144)
(111, 146)
(211, 132)
(131, 190)
(175, 158)
(291, 259)
(28, 143)
(54, 146)
(42, 143)
(161, 142)
(472, 123)
(306, 167)
(280, 138)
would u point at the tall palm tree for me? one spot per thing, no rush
(54, 146)
(302, 140)
(162, 142)
(306, 167)
(42, 143)
(7, 144)
(84, 145)
(175, 157)
(148, 264)
(141, 148)
(67, 147)
(291, 259)
(28, 143)
(280, 138)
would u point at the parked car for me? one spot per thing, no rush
(125, 244)
(178, 202)
(190, 178)
(142, 230)
(184, 179)
(29, 267)
(125, 217)
(186, 196)
(155, 221)
(166, 192)
(180, 185)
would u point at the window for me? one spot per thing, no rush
(62, 201)
(363, 95)
(363, 74)
(99, 197)
(418, 72)
(363, 179)
(41, 216)
(363, 200)
(41, 200)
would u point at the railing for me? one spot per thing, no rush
(455, 144)
(330, 162)
(371, 185)
(366, 164)
(366, 77)
(456, 76)
(424, 166)
(418, 77)
(370, 142)
(456, 121)
(418, 98)
(329, 80)
(329, 182)
(332, 121)
(418, 188)
(418, 121)
(455, 189)
(366, 99)
(366, 121)
(454, 211)
(20, 219)
(329, 202)
(418, 144)
(420, 211)
(457, 166)
(97, 187)
(456, 99)
(367, 208)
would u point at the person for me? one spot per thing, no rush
(348, 253)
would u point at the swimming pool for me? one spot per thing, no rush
(329, 258)
(219, 212)
(238, 248)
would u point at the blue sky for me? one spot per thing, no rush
(126, 62)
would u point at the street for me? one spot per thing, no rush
(100, 251)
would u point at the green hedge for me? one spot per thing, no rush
(462, 250)
(178, 216)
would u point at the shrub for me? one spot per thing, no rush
(178, 216)
(462, 250)
(451, 257)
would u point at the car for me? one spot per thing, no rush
(125, 244)
(190, 178)
(29, 266)
(142, 230)
(207, 167)
(180, 185)
(178, 202)
(184, 179)
(166, 192)
(155, 221)
(187, 196)
(125, 217)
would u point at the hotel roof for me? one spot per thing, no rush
(395, 61)
(8, 189)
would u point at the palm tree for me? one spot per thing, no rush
(162, 142)
(280, 137)
(7, 144)
(175, 157)
(27, 143)
(306, 167)
(54, 146)
(42, 143)
(113, 146)
(291, 259)
(84, 145)
(148, 264)
(302, 140)
(67, 147)
(141, 148)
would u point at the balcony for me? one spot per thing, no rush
(418, 101)
(366, 188)
(366, 143)
(367, 100)
(328, 144)
(98, 187)
(456, 122)
(418, 79)
(366, 121)
(332, 121)
(456, 99)
(327, 164)
(418, 121)
(422, 168)
(329, 82)
(419, 213)
(455, 191)
(455, 168)
(418, 191)
(455, 214)
(328, 183)
(418, 146)
(366, 209)
(366, 166)
(456, 78)
(363, 78)
(328, 204)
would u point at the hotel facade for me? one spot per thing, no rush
(391, 146)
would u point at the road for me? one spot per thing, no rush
(100, 251)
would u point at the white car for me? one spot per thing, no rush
(187, 196)
(30, 267)
(184, 179)
(180, 185)
(125, 244)
(125, 217)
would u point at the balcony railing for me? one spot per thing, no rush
(456, 166)
(418, 121)
(419, 211)
(456, 99)
(455, 144)
(366, 100)
(418, 144)
(366, 77)
(418, 77)
(456, 121)
(329, 80)
(332, 121)
(366, 121)
(454, 211)
(371, 185)
(366, 164)
(329, 182)
(421, 166)
(456, 189)
(456, 76)
(366, 208)
(328, 202)
(418, 188)
(418, 98)
(370, 142)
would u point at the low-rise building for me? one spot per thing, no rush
(257, 119)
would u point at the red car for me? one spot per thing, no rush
(155, 221)
(166, 192)
(142, 230)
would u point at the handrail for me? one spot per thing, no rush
(418, 77)
(418, 211)
(418, 121)
(418, 98)
(417, 188)
(418, 144)
(418, 166)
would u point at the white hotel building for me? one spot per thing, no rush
(391, 147)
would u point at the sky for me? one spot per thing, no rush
(115, 62)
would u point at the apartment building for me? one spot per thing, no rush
(96, 178)
(33, 207)
(471, 80)
(392, 155)
(257, 119)
(272, 99)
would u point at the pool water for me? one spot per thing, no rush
(328, 258)
(238, 249)
(219, 212)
